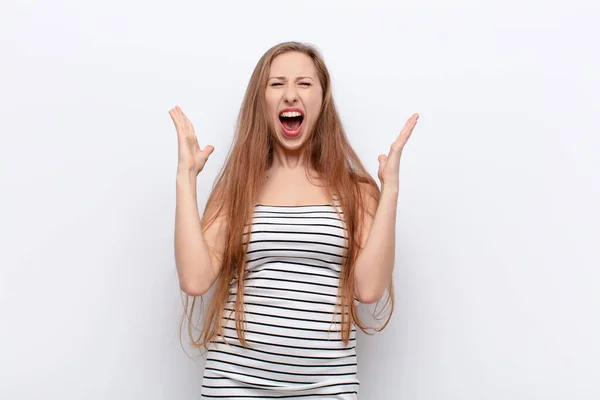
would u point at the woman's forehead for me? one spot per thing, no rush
(292, 64)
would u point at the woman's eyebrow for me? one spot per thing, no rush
(283, 78)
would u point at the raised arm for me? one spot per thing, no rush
(375, 262)
(197, 252)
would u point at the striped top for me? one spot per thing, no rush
(292, 323)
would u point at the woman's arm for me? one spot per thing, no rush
(197, 253)
(375, 262)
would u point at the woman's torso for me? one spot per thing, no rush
(292, 325)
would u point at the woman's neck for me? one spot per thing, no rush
(288, 159)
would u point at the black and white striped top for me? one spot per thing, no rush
(292, 323)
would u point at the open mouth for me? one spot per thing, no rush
(291, 122)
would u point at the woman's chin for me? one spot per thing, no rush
(291, 142)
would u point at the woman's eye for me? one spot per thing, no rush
(275, 84)
(305, 84)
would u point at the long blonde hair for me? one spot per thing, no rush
(236, 189)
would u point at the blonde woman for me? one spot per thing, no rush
(294, 234)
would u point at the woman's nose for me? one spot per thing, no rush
(290, 95)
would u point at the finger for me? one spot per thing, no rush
(175, 113)
(185, 118)
(186, 122)
(208, 149)
(183, 122)
(175, 119)
(409, 125)
(405, 133)
(179, 114)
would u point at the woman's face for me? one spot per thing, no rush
(294, 97)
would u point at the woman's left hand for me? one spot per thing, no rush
(389, 166)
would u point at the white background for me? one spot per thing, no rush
(498, 293)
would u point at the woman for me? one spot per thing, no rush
(295, 232)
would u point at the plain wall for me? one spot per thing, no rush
(497, 273)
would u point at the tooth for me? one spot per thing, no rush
(289, 114)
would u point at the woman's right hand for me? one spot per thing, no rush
(191, 158)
